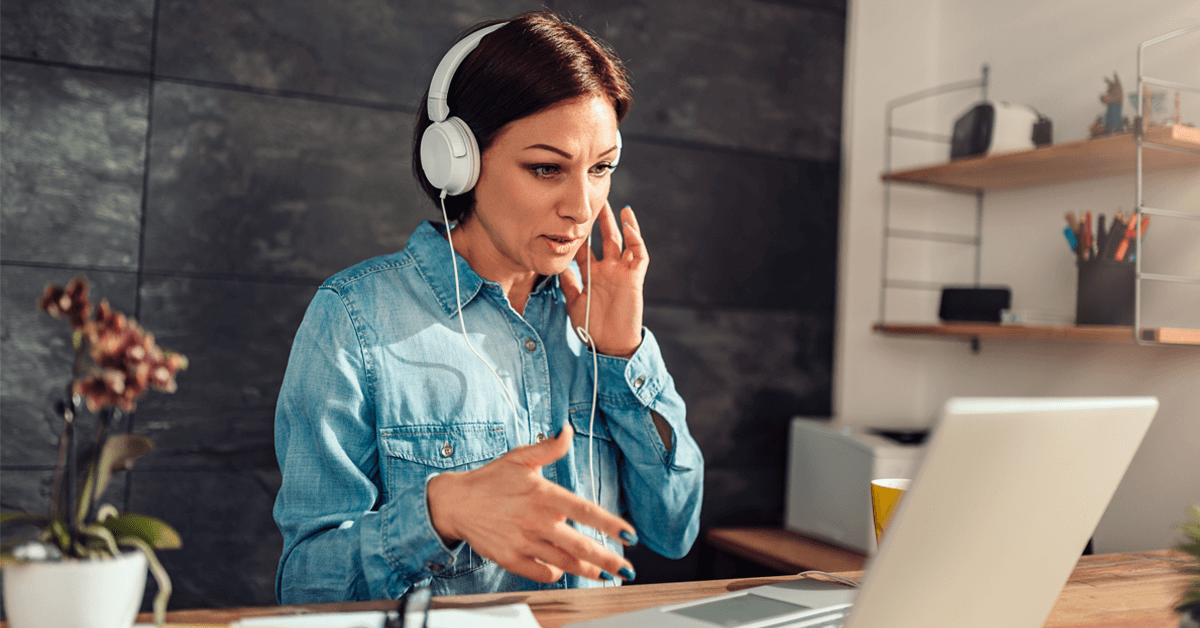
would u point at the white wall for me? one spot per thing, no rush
(1051, 55)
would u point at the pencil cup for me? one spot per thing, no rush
(1105, 293)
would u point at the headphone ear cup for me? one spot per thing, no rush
(450, 156)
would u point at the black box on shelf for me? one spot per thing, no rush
(974, 303)
(1105, 293)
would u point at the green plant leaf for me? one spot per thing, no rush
(57, 532)
(118, 454)
(160, 576)
(103, 534)
(155, 532)
(105, 511)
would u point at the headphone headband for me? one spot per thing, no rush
(439, 87)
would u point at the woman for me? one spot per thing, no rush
(435, 425)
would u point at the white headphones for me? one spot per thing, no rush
(449, 152)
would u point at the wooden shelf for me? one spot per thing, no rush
(1078, 333)
(784, 550)
(1172, 336)
(1097, 158)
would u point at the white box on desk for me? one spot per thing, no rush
(830, 468)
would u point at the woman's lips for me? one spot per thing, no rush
(560, 245)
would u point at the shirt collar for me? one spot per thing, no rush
(430, 252)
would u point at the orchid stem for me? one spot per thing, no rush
(56, 495)
(72, 451)
(72, 480)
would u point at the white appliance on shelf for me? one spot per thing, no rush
(830, 468)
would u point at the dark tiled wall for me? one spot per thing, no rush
(207, 164)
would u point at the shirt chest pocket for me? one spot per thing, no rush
(415, 452)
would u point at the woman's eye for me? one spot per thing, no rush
(602, 169)
(544, 170)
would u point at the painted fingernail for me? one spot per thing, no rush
(627, 574)
(629, 537)
(604, 575)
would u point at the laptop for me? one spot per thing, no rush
(999, 512)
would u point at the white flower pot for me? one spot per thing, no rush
(99, 593)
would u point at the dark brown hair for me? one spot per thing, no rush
(533, 62)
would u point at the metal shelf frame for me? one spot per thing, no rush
(1143, 84)
(892, 131)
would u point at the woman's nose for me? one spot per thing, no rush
(576, 201)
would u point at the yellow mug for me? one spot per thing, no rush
(885, 498)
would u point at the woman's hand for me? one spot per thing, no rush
(516, 518)
(616, 318)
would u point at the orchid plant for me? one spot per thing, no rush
(116, 363)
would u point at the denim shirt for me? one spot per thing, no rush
(382, 393)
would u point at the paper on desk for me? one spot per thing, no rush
(507, 616)
(368, 619)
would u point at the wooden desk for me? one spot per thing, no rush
(784, 550)
(1135, 590)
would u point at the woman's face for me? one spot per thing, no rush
(542, 183)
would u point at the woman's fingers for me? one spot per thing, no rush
(538, 455)
(544, 537)
(560, 545)
(581, 260)
(515, 517)
(635, 246)
(584, 512)
(560, 560)
(610, 233)
(527, 567)
(587, 553)
(571, 285)
(544, 561)
(565, 549)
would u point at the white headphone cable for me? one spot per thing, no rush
(463, 323)
(581, 331)
(586, 337)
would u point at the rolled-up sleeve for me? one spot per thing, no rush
(663, 483)
(341, 539)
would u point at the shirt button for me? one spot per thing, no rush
(530, 345)
(447, 449)
(435, 567)
(540, 437)
(637, 383)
